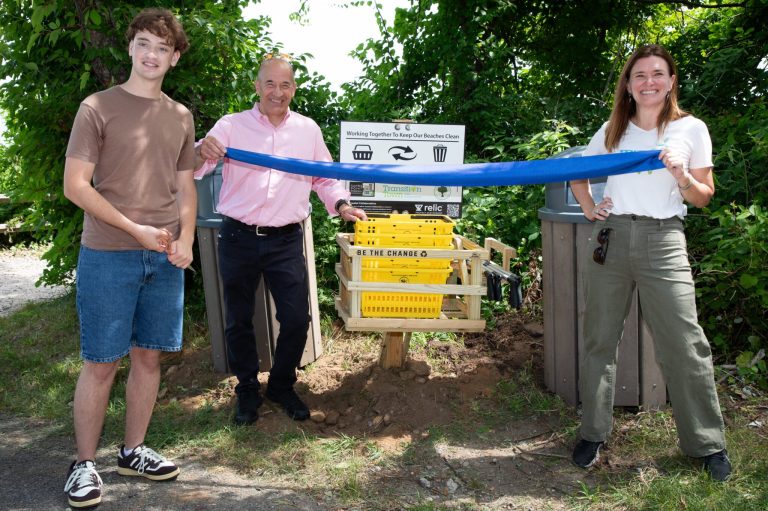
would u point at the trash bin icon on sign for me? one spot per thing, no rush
(362, 152)
(439, 152)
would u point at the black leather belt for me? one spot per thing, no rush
(262, 230)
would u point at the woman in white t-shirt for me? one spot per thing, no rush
(640, 244)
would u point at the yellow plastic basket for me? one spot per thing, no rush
(403, 230)
(400, 305)
(404, 240)
(406, 275)
(403, 305)
(394, 223)
(405, 262)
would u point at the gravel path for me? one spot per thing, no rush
(20, 269)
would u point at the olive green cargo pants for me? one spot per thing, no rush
(652, 255)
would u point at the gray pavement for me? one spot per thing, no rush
(34, 458)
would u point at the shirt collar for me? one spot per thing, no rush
(263, 118)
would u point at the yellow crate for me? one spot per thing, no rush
(404, 240)
(406, 275)
(406, 262)
(403, 305)
(386, 223)
(400, 305)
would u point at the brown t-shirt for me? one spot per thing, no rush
(137, 144)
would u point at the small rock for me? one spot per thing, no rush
(317, 416)
(349, 410)
(420, 379)
(419, 367)
(425, 483)
(332, 417)
(171, 370)
(376, 423)
(407, 375)
(451, 486)
(534, 329)
(387, 419)
(162, 393)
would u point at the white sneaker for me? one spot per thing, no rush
(83, 486)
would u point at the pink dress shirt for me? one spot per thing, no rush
(267, 197)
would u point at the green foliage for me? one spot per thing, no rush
(733, 279)
(527, 79)
(324, 229)
(56, 53)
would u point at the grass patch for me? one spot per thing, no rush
(39, 359)
(650, 472)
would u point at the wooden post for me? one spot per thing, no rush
(394, 349)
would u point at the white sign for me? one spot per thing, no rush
(403, 144)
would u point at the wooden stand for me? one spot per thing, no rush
(394, 349)
(507, 253)
(460, 311)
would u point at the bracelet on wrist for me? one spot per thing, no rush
(684, 188)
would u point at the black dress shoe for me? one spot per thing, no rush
(290, 401)
(247, 408)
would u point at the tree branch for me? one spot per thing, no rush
(694, 4)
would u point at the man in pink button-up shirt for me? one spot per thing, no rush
(261, 233)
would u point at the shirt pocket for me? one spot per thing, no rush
(668, 251)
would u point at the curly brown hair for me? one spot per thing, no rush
(162, 23)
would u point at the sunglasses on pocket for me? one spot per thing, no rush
(600, 252)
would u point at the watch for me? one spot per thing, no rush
(340, 203)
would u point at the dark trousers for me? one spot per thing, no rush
(244, 258)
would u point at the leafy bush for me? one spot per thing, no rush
(732, 280)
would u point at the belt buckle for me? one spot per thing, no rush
(258, 233)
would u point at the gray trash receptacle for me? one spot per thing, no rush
(265, 325)
(564, 237)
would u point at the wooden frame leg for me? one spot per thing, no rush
(394, 349)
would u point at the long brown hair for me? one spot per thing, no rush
(624, 106)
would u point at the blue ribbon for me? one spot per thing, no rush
(473, 174)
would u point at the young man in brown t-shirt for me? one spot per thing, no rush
(129, 166)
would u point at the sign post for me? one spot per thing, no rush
(403, 143)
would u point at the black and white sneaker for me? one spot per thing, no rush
(145, 462)
(83, 486)
(586, 453)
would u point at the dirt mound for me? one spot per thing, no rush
(349, 392)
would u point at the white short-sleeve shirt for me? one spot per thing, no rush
(654, 193)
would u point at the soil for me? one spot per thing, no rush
(523, 464)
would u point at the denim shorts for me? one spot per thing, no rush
(128, 298)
